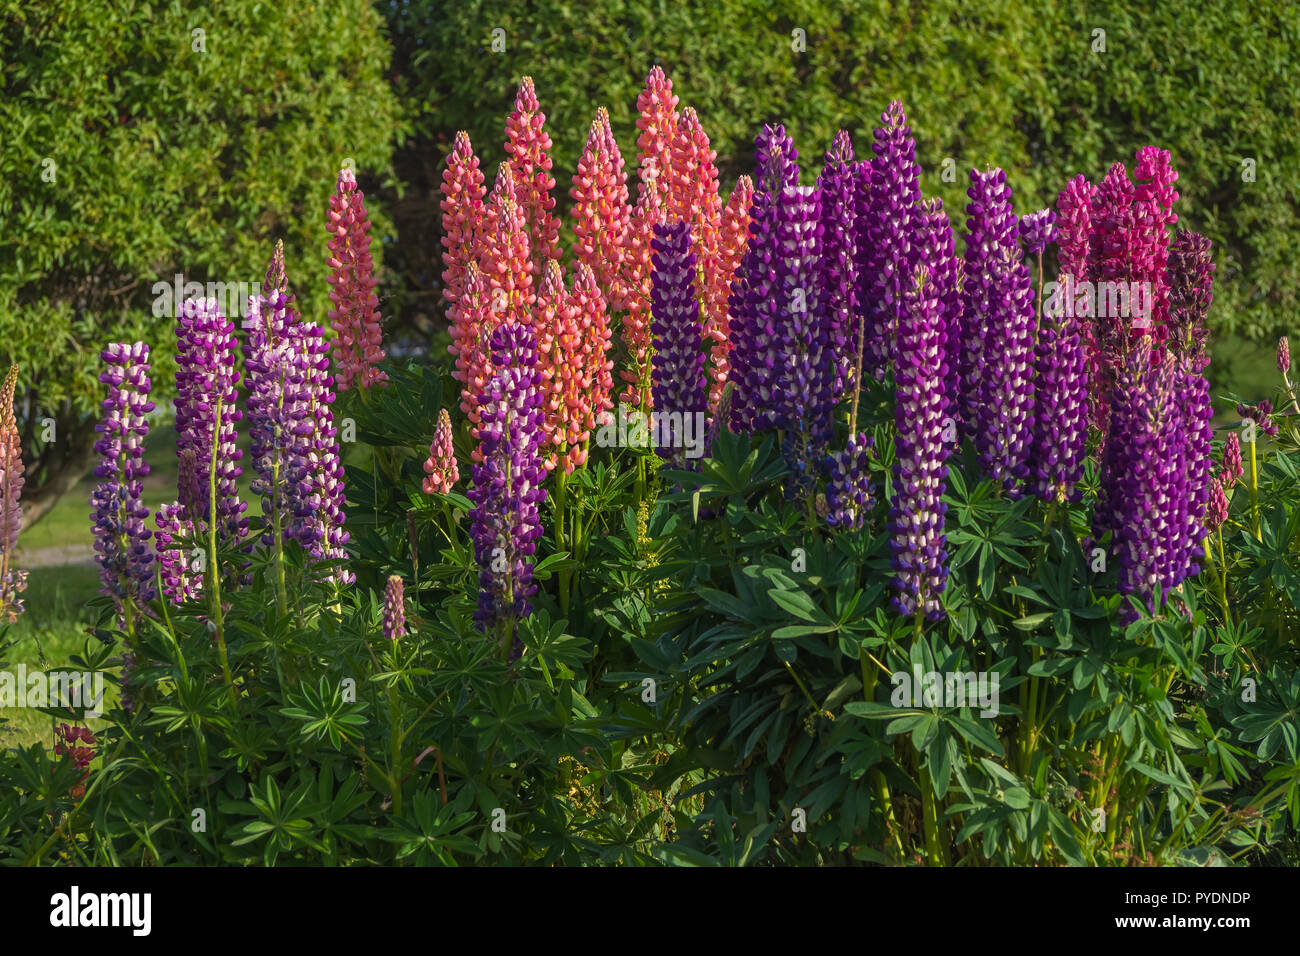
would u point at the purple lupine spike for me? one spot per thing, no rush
(895, 192)
(1037, 232)
(318, 517)
(278, 407)
(838, 270)
(1003, 343)
(916, 518)
(801, 361)
(937, 249)
(1145, 463)
(180, 581)
(680, 386)
(504, 522)
(848, 485)
(991, 236)
(751, 302)
(206, 375)
(394, 618)
(121, 539)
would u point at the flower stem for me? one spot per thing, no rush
(214, 590)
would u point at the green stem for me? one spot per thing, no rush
(1254, 491)
(214, 578)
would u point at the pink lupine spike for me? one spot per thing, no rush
(473, 330)
(12, 582)
(441, 469)
(354, 317)
(462, 207)
(1153, 203)
(733, 237)
(636, 321)
(601, 211)
(527, 146)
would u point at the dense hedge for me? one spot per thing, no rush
(135, 148)
(985, 83)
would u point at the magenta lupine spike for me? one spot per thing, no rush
(1217, 511)
(752, 302)
(175, 540)
(441, 471)
(12, 582)
(1153, 217)
(677, 365)
(1073, 237)
(838, 264)
(991, 240)
(318, 517)
(394, 618)
(122, 547)
(894, 192)
(505, 522)
(352, 288)
(916, 519)
(1114, 246)
(205, 377)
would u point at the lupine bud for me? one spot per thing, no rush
(394, 622)
(352, 283)
(441, 470)
(121, 539)
(1217, 512)
(848, 485)
(680, 386)
(1283, 355)
(1233, 468)
(527, 145)
(12, 581)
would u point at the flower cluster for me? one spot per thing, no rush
(118, 517)
(352, 279)
(12, 581)
(68, 742)
(504, 522)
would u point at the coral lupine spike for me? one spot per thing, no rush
(121, 539)
(602, 214)
(733, 238)
(576, 369)
(462, 206)
(354, 317)
(638, 269)
(12, 582)
(657, 130)
(527, 146)
(441, 471)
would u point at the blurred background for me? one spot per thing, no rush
(145, 138)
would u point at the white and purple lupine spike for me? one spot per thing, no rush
(895, 191)
(318, 517)
(916, 518)
(838, 269)
(801, 363)
(1037, 231)
(206, 375)
(752, 300)
(937, 250)
(121, 539)
(174, 540)
(680, 386)
(848, 484)
(505, 522)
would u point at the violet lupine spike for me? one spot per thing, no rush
(174, 538)
(1005, 399)
(1037, 232)
(206, 376)
(751, 303)
(1145, 461)
(352, 279)
(916, 519)
(277, 407)
(440, 470)
(680, 386)
(12, 582)
(992, 233)
(394, 617)
(895, 192)
(318, 516)
(118, 520)
(937, 250)
(838, 270)
(848, 485)
(505, 522)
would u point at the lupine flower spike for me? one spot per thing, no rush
(527, 146)
(352, 279)
(441, 471)
(12, 582)
(680, 386)
(394, 617)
